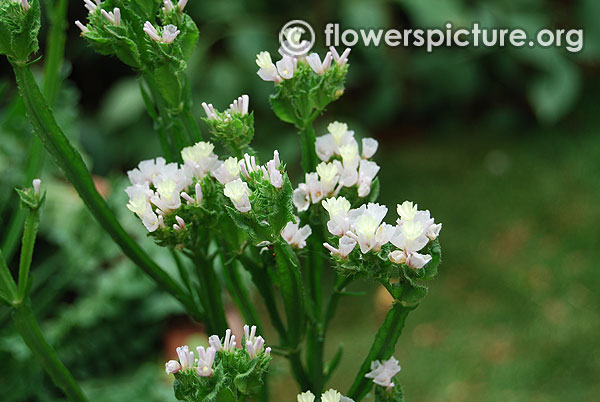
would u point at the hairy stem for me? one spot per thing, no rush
(31, 227)
(382, 348)
(71, 163)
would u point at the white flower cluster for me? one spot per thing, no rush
(239, 105)
(169, 32)
(328, 396)
(295, 235)
(383, 372)
(237, 190)
(364, 226)
(284, 68)
(206, 356)
(349, 168)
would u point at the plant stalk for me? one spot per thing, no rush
(382, 348)
(71, 163)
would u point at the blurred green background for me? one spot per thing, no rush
(501, 145)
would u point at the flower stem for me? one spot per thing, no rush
(30, 331)
(309, 154)
(55, 50)
(70, 161)
(31, 227)
(210, 294)
(382, 348)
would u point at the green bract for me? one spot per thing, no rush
(19, 27)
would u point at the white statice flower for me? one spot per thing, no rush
(84, 29)
(227, 171)
(209, 109)
(369, 147)
(331, 396)
(286, 67)
(114, 17)
(186, 358)
(37, 184)
(147, 171)
(345, 247)
(206, 358)
(329, 144)
(272, 173)
(267, 70)
(248, 165)
(200, 158)
(328, 396)
(311, 191)
(238, 192)
(295, 235)
(367, 227)
(367, 171)
(342, 59)
(383, 372)
(141, 207)
(306, 397)
(181, 4)
(228, 344)
(350, 156)
(168, 6)
(91, 6)
(169, 32)
(240, 105)
(314, 61)
(338, 209)
(410, 238)
(168, 195)
(407, 211)
(328, 176)
(254, 344)
(172, 367)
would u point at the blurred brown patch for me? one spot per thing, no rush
(428, 334)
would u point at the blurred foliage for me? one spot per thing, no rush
(500, 144)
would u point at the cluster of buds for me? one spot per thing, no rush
(234, 127)
(328, 396)
(221, 366)
(364, 226)
(285, 68)
(237, 190)
(383, 372)
(349, 167)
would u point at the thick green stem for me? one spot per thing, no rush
(309, 154)
(338, 291)
(315, 340)
(382, 348)
(52, 80)
(262, 282)
(240, 295)
(8, 287)
(210, 294)
(31, 227)
(70, 161)
(30, 331)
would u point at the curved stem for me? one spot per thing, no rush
(210, 294)
(382, 348)
(30, 331)
(239, 294)
(55, 50)
(70, 161)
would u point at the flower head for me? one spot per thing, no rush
(314, 61)
(295, 235)
(383, 372)
(237, 191)
(206, 357)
